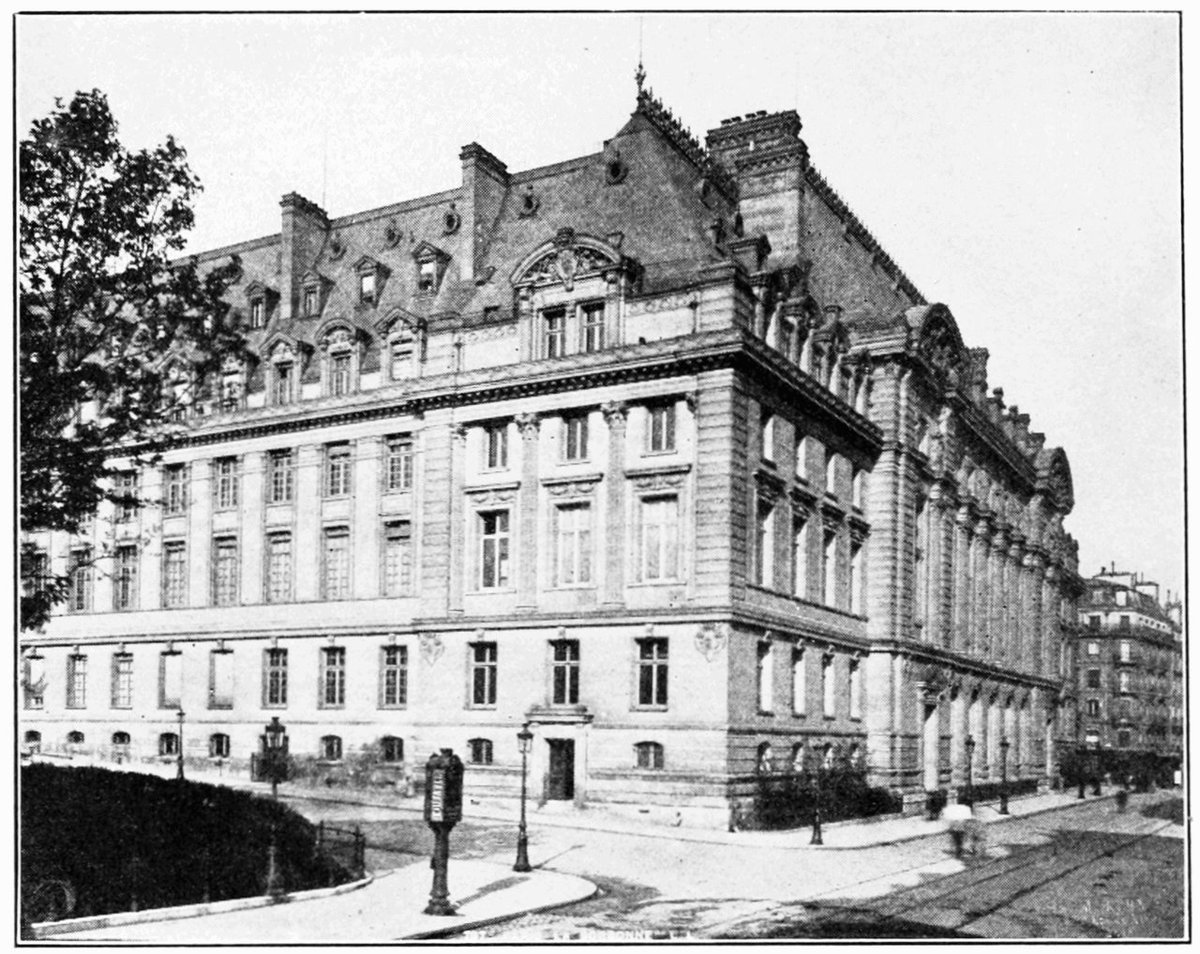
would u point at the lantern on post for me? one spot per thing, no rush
(525, 742)
(970, 769)
(1004, 776)
(274, 753)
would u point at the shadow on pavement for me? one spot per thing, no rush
(1170, 810)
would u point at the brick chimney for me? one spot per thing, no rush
(305, 226)
(484, 183)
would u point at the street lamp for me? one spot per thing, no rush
(1096, 769)
(817, 837)
(970, 768)
(1004, 776)
(525, 742)
(179, 751)
(275, 752)
(1080, 769)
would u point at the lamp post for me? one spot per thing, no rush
(817, 837)
(970, 769)
(1004, 776)
(274, 752)
(179, 751)
(525, 741)
(1080, 769)
(1095, 763)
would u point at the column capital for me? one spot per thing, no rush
(615, 413)
(528, 423)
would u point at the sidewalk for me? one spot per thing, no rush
(387, 908)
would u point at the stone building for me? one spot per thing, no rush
(1130, 668)
(655, 449)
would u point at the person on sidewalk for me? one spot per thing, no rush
(957, 816)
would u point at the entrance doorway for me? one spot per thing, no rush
(561, 781)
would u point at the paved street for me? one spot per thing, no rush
(1085, 871)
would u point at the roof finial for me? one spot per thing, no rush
(639, 76)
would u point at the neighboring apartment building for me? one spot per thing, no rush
(1130, 668)
(654, 448)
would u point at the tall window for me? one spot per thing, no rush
(565, 672)
(280, 476)
(170, 679)
(800, 555)
(125, 578)
(856, 577)
(828, 689)
(337, 470)
(281, 383)
(658, 546)
(801, 456)
(855, 689)
(397, 558)
(122, 680)
(652, 672)
(275, 678)
(333, 677)
(483, 674)
(592, 333)
(279, 568)
(339, 373)
(493, 549)
(799, 683)
(79, 573)
(225, 483)
(829, 566)
(336, 555)
(495, 446)
(858, 487)
(660, 432)
(1093, 678)
(174, 497)
(764, 543)
(1093, 708)
(311, 303)
(767, 436)
(831, 473)
(1126, 653)
(76, 681)
(366, 287)
(649, 755)
(175, 574)
(220, 679)
(126, 492)
(393, 677)
(258, 313)
(573, 544)
(398, 463)
(231, 390)
(920, 567)
(1123, 682)
(554, 327)
(575, 437)
(766, 677)
(225, 571)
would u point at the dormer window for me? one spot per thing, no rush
(428, 277)
(431, 267)
(339, 374)
(258, 313)
(592, 331)
(340, 361)
(312, 302)
(401, 355)
(554, 326)
(366, 288)
(231, 389)
(281, 382)
(259, 299)
(371, 275)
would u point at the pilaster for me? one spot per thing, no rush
(199, 532)
(251, 541)
(306, 556)
(616, 416)
(527, 506)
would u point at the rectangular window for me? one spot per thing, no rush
(279, 568)
(856, 578)
(122, 680)
(799, 683)
(565, 672)
(652, 672)
(592, 334)
(800, 556)
(493, 549)
(337, 470)
(1123, 682)
(764, 543)
(339, 374)
(393, 677)
(398, 463)
(275, 678)
(828, 689)
(802, 457)
(829, 567)
(658, 548)
(336, 552)
(767, 436)
(573, 544)
(80, 576)
(174, 574)
(401, 357)
(125, 578)
(281, 383)
(1093, 678)
(366, 287)
(225, 571)
(1093, 708)
(495, 446)
(231, 391)
(174, 497)
(125, 490)
(483, 674)
(170, 679)
(220, 679)
(554, 325)
(858, 487)
(397, 558)
(575, 437)
(76, 681)
(1094, 622)
(310, 302)
(660, 432)
(225, 483)
(35, 681)
(258, 312)
(855, 689)
(333, 677)
(1125, 651)
(281, 467)
(766, 677)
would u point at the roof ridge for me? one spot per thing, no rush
(682, 138)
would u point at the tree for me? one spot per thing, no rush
(106, 317)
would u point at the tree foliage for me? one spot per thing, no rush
(106, 317)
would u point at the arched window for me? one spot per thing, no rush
(75, 737)
(762, 758)
(120, 738)
(331, 748)
(218, 746)
(391, 749)
(799, 752)
(481, 751)
(33, 741)
(827, 757)
(649, 755)
(168, 744)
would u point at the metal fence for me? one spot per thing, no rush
(345, 847)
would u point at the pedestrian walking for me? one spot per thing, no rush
(957, 817)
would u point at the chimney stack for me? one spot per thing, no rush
(485, 180)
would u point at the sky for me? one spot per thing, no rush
(1022, 168)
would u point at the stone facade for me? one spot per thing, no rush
(655, 449)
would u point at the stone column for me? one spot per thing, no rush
(253, 466)
(959, 730)
(199, 532)
(306, 550)
(995, 728)
(527, 506)
(458, 529)
(616, 417)
(978, 731)
(980, 637)
(1012, 732)
(962, 581)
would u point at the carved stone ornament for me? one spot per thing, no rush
(615, 413)
(337, 248)
(392, 235)
(458, 434)
(493, 496)
(451, 221)
(529, 204)
(565, 263)
(666, 479)
(528, 424)
(711, 640)
(584, 487)
(432, 647)
(282, 352)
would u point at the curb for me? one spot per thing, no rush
(47, 929)
(498, 918)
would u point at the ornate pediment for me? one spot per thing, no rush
(428, 252)
(281, 347)
(565, 258)
(934, 337)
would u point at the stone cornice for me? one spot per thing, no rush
(923, 652)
